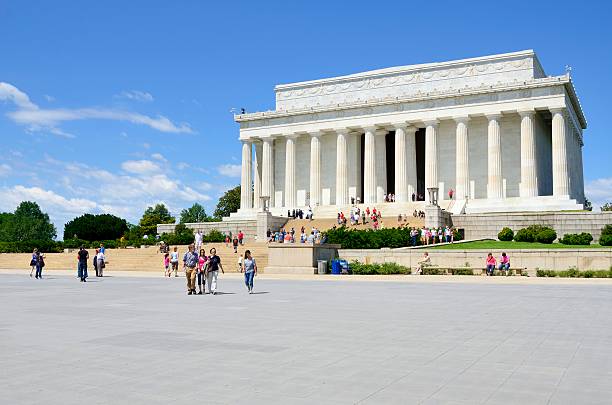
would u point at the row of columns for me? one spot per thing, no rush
(374, 169)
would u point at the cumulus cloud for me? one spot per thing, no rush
(599, 191)
(159, 156)
(140, 166)
(229, 170)
(135, 95)
(41, 119)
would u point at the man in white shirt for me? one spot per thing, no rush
(198, 240)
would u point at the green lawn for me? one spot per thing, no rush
(493, 244)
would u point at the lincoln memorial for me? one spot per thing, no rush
(496, 131)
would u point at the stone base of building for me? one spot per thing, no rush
(522, 204)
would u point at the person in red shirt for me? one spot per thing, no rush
(240, 237)
(491, 262)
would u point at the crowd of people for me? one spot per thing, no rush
(300, 213)
(357, 216)
(290, 236)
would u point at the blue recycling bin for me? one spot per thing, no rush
(340, 267)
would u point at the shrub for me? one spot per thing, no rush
(572, 272)
(546, 235)
(214, 236)
(432, 271)
(462, 272)
(583, 238)
(506, 234)
(369, 238)
(606, 236)
(536, 233)
(377, 268)
(27, 246)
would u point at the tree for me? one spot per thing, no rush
(27, 223)
(96, 227)
(606, 207)
(196, 213)
(153, 216)
(228, 203)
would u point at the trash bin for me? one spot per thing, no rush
(336, 267)
(321, 266)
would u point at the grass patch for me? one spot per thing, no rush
(494, 244)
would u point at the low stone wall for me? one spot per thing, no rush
(298, 258)
(532, 259)
(488, 225)
(247, 226)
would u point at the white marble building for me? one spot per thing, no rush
(496, 130)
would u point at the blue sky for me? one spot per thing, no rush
(112, 106)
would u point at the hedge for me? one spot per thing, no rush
(606, 236)
(572, 272)
(506, 234)
(536, 233)
(373, 239)
(376, 268)
(45, 246)
(583, 238)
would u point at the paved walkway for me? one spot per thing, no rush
(141, 340)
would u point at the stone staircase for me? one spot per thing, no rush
(143, 259)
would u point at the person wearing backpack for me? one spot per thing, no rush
(40, 263)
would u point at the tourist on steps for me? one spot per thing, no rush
(212, 271)
(190, 261)
(249, 267)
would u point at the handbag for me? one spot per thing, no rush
(32, 262)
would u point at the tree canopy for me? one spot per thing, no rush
(196, 213)
(228, 203)
(153, 216)
(27, 223)
(96, 227)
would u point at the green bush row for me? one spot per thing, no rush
(536, 233)
(583, 238)
(575, 273)
(373, 239)
(46, 246)
(378, 268)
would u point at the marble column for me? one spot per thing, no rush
(529, 164)
(246, 191)
(431, 156)
(315, 169)
(257, 176)
(494, 167)
(462, 171)
(401, 165)
(267, 169)
(369, 166)
(559, 153)
(411, 174)
(381, 165)
(342, 191)
(290, 190)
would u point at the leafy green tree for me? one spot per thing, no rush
(228, 203)
(153, 216)
(96, 227)
(27, 223)
(606, 207)
(196, 213)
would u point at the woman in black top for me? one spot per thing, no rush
(212, 271)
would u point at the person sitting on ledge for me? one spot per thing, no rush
(491, 262)
(424, 262)
(504, 264)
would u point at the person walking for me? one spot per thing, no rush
(166, 264)
(174, 261)
(100, 263)
(95, 262)
(40, 263)
(83, 256)
(491, 262)
(202, 261)
(235, 243)
(190, 262)
(212, 271)
(198, 240)
(33, 261)
(249, 267)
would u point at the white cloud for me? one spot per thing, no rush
(135, 95)
(140, 166)
(599, 191)
(230, 170)
(39, 119)
(159, 156)
(182, 165)
(49, 98)
(204, 186)
(5, 170)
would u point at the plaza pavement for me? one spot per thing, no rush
(466, 340)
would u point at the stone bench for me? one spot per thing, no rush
(477, 271)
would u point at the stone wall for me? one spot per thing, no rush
(479, 226)
(532, 259)
(297, 258)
